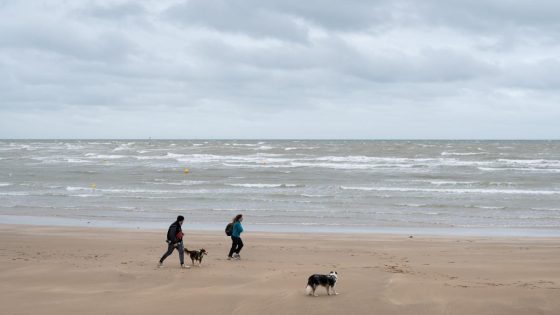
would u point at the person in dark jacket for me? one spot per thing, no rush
(236, 242)
(175, 241)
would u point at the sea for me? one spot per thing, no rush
(326, 186)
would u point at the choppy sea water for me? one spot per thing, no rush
(285, 185)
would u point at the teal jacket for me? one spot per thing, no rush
(237, 229)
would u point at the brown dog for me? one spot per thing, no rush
(196, 255)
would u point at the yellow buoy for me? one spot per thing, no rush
(186, 171)
(93, 186)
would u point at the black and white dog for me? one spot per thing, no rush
(327, 281)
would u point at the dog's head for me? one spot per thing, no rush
(334, 274)
(203, 252)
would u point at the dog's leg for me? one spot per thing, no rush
(328, 290)
(334, 290)
(314, 288)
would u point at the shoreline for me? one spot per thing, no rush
(292, 229)
(295, 235)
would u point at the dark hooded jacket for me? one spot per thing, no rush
(174, 230)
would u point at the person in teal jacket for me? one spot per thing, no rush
(236, 242)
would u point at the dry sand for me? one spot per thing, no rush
(48, 270)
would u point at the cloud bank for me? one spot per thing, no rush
(280, 69)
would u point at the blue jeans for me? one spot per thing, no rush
(170, 247)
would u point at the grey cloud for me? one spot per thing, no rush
(230, 65)
(278, 18)
(429, 65)
(285, 20)
(113, 10)
(351, 15)
(541, 75)
(342, 59)
(49, 36)
(238, 17)
(492, 15)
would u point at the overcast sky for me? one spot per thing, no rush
(280, 69)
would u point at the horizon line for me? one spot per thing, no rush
(283, 139)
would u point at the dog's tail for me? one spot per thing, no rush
(309, 290)
(187, 251)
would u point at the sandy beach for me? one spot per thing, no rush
(53, 270)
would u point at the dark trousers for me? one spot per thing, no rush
(170, 247)
(236, 245)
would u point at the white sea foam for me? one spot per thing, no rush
(57, 159)
(4, 184)
(366, 159)
(523, 169)
(314, 196)
(354, 166)
(99, 143)
(546, 209)
(187, 182)
(85, 195)
(460, 153)
(413, 205)
(264, 185)
(122, 147)
(137, 191)
(300, 148)
(79, 161)
(104, 156)
(47, 159)
(257, 166)
(456, 191)
(126, 207)
(74, 188)
(260, 158)
(428, 213)
(76, 147)
(244, 144)
(15, 193)
(367, 162)
(531, 162)
(264, 148)
(489, 207)
(152, 157)
(451, 183)
(175, 155)
(114, 190)
(500, 184)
